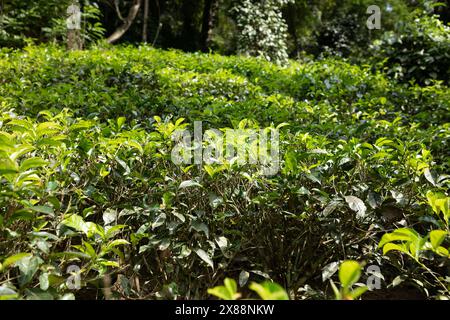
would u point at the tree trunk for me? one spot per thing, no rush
(209, 19)
(145, 24)
(292, 27)
(74, 41)
(1, 14)
(128, 21)
(189, 40)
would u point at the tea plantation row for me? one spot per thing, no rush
(90, 197)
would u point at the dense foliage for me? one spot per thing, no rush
(419, 51)
(45, 21)
(262, 30)
(269, 28)
(86, 177)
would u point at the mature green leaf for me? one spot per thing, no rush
(109, 216)
(43, 209)
(205, 257)
(14, 259)
(329, 270)
(7, 293)
(32, 163)
(243, 278)
(189, 183)
(356, 205)
(200, 227)
(43, 281)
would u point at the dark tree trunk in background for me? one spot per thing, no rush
(291, 19)
(444, 13)
(145, 24)
(189, 34)
(127, 22)
(210, 9)
(1, 14)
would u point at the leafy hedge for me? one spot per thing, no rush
(87, 179)
(419, 50)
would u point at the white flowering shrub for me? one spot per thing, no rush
(263, 31)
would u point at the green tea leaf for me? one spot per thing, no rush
(15, 258)
(8, 166)
(349, 273)
(356, 205)
(226, 292)
(269, 291)
(189, 183)
(43, 209)
(243, 278)
(392, 246)
(205, 257)
(32, 163)
(437, 237)
(43, 281)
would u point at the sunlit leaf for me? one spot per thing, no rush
(205, 257)
(349, 273)
(269, 291)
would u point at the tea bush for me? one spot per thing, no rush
(87, 178)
